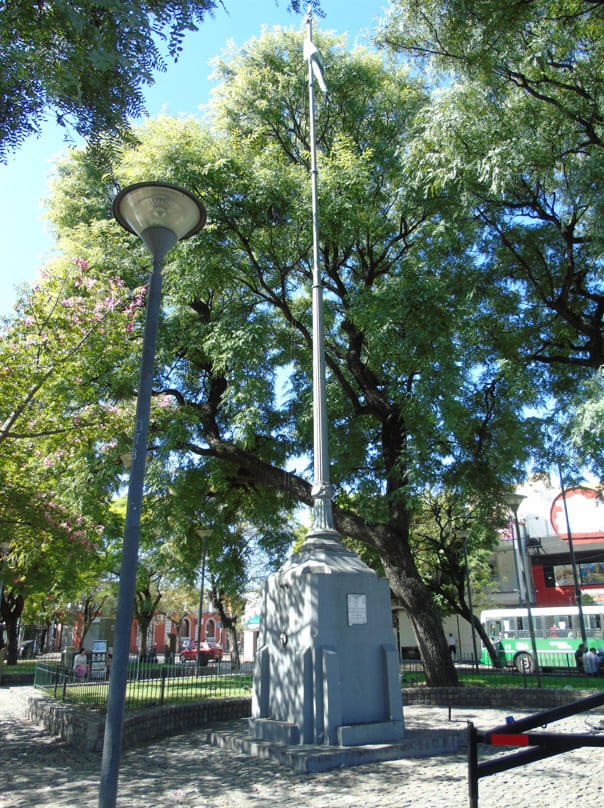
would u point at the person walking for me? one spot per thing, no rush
(452, 645)
(579, 653)
(590, 662)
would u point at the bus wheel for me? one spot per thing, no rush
(524, 663)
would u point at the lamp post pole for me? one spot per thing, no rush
(514, 500)
(204, 537)
(160, 215)
(465, 555)
(573, 561)
(517, 567)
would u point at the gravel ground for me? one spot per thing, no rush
(183, 771)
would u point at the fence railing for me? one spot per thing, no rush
(148, 685)
(534, 746)
(550, 675)
(157, 684)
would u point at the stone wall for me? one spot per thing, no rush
(528, 699)
(16, 679)
(85, 729)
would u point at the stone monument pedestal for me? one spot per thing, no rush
(327, 669)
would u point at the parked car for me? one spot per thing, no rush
(207, 653)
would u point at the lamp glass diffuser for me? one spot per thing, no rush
(154, 204)
(514, 500)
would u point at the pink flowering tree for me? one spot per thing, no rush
(63, 332)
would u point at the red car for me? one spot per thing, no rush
(207, 653)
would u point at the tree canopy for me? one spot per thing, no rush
(87, 61)
(517, 134)
(412, 396)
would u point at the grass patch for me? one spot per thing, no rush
(504, 678)
(154, 692)
(23, 666)
(514, 679)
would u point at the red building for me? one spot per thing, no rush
(164, 632)
(546, 544)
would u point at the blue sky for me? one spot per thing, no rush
(183, 88)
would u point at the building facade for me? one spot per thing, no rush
(561, 536)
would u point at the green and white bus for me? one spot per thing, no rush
(557, 632)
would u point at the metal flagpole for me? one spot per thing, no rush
(323, 531)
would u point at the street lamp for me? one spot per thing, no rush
(465, 536)
(160, 215)
(203, 534)
(513, 501)
(573, 561)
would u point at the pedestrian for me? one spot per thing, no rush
(579, 656)
(80, 663)
(451, 643)
(590, 662)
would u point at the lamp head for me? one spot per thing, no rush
(514, 500)
(159, 214)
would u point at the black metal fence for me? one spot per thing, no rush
(550, 675)
(148, 685)
(157, 684)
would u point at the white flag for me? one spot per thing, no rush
(314, 54)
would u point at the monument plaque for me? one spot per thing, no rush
(357, 610)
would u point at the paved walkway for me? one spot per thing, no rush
(183, 772)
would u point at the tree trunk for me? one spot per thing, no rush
(143, 626)
(12, 609)
(229, 624)
(145, 606)
(235, 660)
(486, 641)
(408, 587)
(463, 610)
(91, 612)
(427, 624)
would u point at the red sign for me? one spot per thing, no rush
(585, 515)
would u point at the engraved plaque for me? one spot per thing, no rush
(357, 610)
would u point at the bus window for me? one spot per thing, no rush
(592, 624)
(556, 626)
(493, 628)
